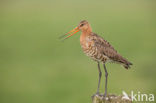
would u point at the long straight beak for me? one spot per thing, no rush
(72, 32)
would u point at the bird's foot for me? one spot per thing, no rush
(96, 94)
(104, 96)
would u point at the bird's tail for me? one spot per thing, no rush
(126, 64)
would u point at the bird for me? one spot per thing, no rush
(98, 49)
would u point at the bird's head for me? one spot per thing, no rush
(83, 27)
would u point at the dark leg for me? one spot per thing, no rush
(100, 74)
(106, 75)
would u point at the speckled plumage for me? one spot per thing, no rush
(100, 50)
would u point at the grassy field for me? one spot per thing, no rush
(35, 67)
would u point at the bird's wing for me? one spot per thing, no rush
(105, 48)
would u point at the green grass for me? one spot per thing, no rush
(35, 67)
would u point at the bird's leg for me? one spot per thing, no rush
(100, 74)
(106, 75)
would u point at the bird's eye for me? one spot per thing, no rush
(81, 25)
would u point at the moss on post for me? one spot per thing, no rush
(111, 99)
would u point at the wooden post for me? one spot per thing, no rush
(111, 99)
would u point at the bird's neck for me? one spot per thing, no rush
(85, 33)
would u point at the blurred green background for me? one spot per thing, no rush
(35, 67)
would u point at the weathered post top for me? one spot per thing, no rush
(111, 99)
